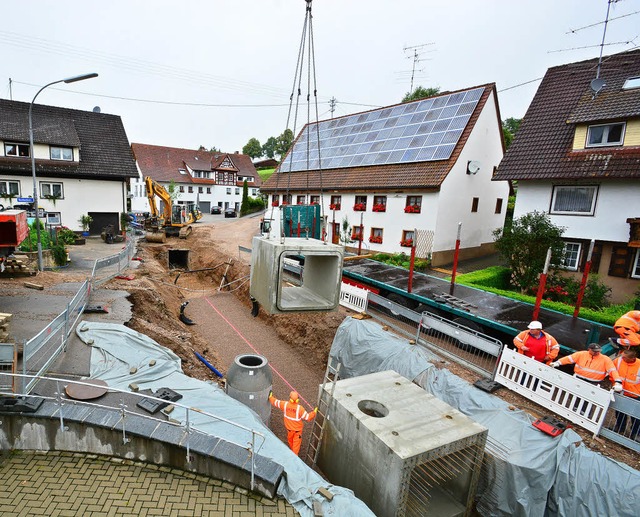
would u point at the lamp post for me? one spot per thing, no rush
(33, 158)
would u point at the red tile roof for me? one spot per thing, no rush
(543, 146)
(415, 175)
(164, 163)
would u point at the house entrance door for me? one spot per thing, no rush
(335, 233)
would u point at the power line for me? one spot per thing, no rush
(521, 84)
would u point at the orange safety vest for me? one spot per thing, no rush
(552, 346)
(294, 414)
(629, 375)
(627, 327)
(591, 368)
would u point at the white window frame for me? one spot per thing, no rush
(558, 188)
(50, 185)
(237, 191)
(635, 272)
(605, 135)
(228, 191)
(7, 188)
(631, 83)
(60, 150)
(571, 258)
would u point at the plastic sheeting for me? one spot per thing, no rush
(117, 349)
(531, 473)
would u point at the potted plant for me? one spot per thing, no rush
(124, 222)
(85, 221)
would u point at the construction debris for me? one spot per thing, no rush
(31, 285)
(325, 493)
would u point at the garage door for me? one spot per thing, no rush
(205, 207)
(102, 219)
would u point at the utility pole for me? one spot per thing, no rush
(416, 58)
(332, 105)
(10, 92)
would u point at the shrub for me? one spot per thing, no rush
(59, 254)
(66, 236)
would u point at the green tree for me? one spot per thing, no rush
(420, 93)
(244, 206)
(269, 147)
(214, 149)
(510, 127)
(253, 148)
(173, 190)
(524, 247)
(283, 142)
(345, 234)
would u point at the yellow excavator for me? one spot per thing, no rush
(174, 220)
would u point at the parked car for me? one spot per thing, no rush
(216, 209)
(230, 212)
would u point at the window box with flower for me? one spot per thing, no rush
(356, 237)
(374, 239)
(334, 206)
(407, 243)
(359, 207)
(275, 203)
(380, 207)
(412, 209)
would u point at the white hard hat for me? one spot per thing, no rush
(535, 325)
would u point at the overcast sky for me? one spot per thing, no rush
(243, 52)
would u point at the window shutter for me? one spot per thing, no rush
(595, 256)
(620, 261)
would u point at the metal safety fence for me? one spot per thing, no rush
(126, 399)
(353, 297)
(468, 347)
(598, 410)
(42, 350)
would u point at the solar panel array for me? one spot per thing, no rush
(419, 131)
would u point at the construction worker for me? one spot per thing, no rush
(628, 367)
(628, 327)
(591, 366)
(537, 344)
(294, 417)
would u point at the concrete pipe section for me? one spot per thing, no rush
(249, 381)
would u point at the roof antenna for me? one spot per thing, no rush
(597, 84)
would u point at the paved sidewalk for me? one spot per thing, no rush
(68, 484)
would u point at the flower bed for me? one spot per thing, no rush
(379, 208)
(359, 207)
(412, 209)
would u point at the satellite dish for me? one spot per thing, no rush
(473, 167)
(597, 84)
(96, 109)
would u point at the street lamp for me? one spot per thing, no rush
(33, 158)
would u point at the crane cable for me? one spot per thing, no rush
(296, 91)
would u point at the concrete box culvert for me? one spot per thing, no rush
(249, 381)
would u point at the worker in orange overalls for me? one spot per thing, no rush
(628, 327)
(628, 367)
(294, 418)
(591, 366)
(537, 344)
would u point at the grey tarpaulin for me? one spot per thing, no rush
(116, 349)
(529, 473)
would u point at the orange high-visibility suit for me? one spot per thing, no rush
(551, 346)
(591, 368)
(294, 418)
(627, 327)
(630, 376)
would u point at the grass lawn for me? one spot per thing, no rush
(265, 174)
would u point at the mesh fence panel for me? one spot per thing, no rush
(424, 243)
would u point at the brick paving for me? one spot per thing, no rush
(70, 484)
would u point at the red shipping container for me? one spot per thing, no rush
(13, 227)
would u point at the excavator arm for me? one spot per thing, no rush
(156, 190)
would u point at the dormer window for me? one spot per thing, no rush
(605, 134)
(61, 153)
(21, 150)
(632, 82)
(182, 171)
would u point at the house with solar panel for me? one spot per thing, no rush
(208, 179)
(576, 157)
(409, 173)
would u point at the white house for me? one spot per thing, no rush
(202, 177)
(576, 156)
(424, 165)
(83, 162)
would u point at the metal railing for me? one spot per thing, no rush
(43, 349)
(468, 347)
(188, 428)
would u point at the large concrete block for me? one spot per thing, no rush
(401, 450)
(279, 285)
